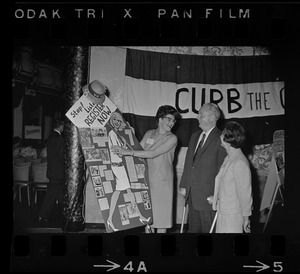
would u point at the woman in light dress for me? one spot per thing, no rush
(233, 192)
(159, 146)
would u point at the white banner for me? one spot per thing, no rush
(85, 114)
(143, 97)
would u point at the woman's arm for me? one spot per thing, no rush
(242, 179)
(163, 148)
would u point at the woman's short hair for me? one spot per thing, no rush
(164, 110)
(234, 134)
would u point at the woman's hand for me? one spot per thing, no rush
(247, 225)
(121, 151)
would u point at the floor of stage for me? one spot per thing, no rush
(24, 220)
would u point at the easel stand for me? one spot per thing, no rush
(277, 190)
(277, 180)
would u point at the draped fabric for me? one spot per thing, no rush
(244, 87)
(74, 159)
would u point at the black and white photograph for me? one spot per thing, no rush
(140, 170)
(99, 132)
(145, 195)
(97, 181)
(99, 192)
(104, 155)
(85, 138)
(209, 92)
(147, 204)
(94, 170)
(124, 214)
(92, 154)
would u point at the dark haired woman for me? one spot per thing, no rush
(233, 193)
(159, 146)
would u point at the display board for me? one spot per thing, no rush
(278, 152)
(276, 172)
(120, 183)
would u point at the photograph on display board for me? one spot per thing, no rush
(92, 154)
(99, 136)
(105, 156)
(96, 130)
(140, 169)
(97, 181)
(85, 137)
(99, 132)
(124, 214)
(94, 170)
(99, 192)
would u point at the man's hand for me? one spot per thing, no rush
(182, 191)
(210, 199)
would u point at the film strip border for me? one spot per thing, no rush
(120, 252)
(153, 23)
(267, 23)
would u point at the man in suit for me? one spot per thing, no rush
(55, 171)
(204, 157)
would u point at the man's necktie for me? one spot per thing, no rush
(200, 145)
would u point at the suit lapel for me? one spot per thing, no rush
(209, 139)
(195, 142)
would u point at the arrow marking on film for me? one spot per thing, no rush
(262, 266)
(112, 265)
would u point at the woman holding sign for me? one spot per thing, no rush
(159, 146)
(233, 193)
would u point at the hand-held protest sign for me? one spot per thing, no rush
(120, 182)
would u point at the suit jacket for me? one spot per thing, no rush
(199, 175)
(233, 192)
(55, 156)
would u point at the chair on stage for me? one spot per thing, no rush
(40, 180)
(21, 180)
